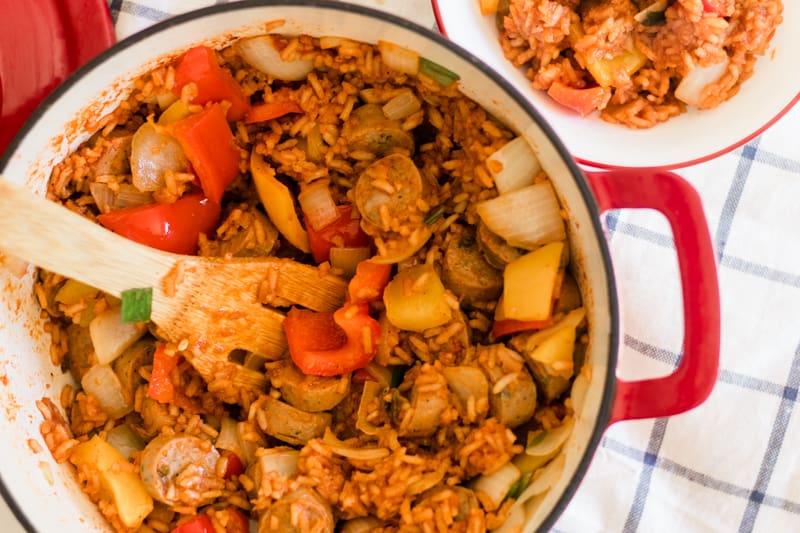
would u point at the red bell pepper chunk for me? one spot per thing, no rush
(501, 328)
(714, 7)
(584, 101)
(161, 388)
(198, 524)
(233, 466)
(208, 143)
(171, 227)
(214, 83)
(362, 375)
(368, 283)
(271, 110)
(310, 345)
(345, 231)
(238, 522)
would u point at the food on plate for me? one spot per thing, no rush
(436, 398)
(637, 62)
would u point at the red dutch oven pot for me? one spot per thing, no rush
(31, 481)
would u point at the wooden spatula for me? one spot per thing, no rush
(215, 304)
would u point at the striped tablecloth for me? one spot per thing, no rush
(733, 464)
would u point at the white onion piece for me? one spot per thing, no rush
(402, 105)
(514, 523)
(467, 382)
(153, 152)
(101, 382)
(125, 440)
(398, 58)
(543, 479)
(513, 166)
(495, 486)
(261, 53)
(281, 460)
(228, 438)
(111, 336)
(317, 204)
(130, 196)
(552, 440)
(103, 196)
(372, 389)
(691, 87)
(525, 218)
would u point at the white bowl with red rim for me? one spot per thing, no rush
(691, 138)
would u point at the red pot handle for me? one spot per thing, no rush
(677, 200)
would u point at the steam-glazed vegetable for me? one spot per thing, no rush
(436, 394)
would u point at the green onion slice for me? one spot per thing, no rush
(436, 215)
(519, 486)
(137, 304)
(437, 72)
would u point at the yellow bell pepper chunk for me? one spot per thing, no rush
(530, 283)
(278, 202)
(604, 70)
(415, 299)
(121, 483)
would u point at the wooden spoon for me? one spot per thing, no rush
(214, 304)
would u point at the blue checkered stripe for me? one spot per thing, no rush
(731, 464)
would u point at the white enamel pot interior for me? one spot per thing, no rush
(43, 494)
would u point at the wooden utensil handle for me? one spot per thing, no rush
(53, 237)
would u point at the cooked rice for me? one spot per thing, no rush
(555, 40)
(407, 474)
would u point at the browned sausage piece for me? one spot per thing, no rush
(309, 393)
(299, 511)
(367, 129)
(181, 469)
(494, 248)
(467, 274)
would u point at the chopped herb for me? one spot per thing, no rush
(654, 18)
(519, 486)
(137, 304)
(437, 72)
(436, 215)
(539, 437)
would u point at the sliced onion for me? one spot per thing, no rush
(347, 259)
(262, 54)
(281, 460)
(513, 166)
(125, 440)
(317, 204)
(525, 218)
(495, 486)
(103, 196)
(360, 454)
(111, 336)
(544, 479)
(372, 390)
(103, 383)
(692, 86)
(130, 196)
(530, 341)
(228, 438)
(153, 152)
(404, 104)
(552, 440)
(398, 58)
